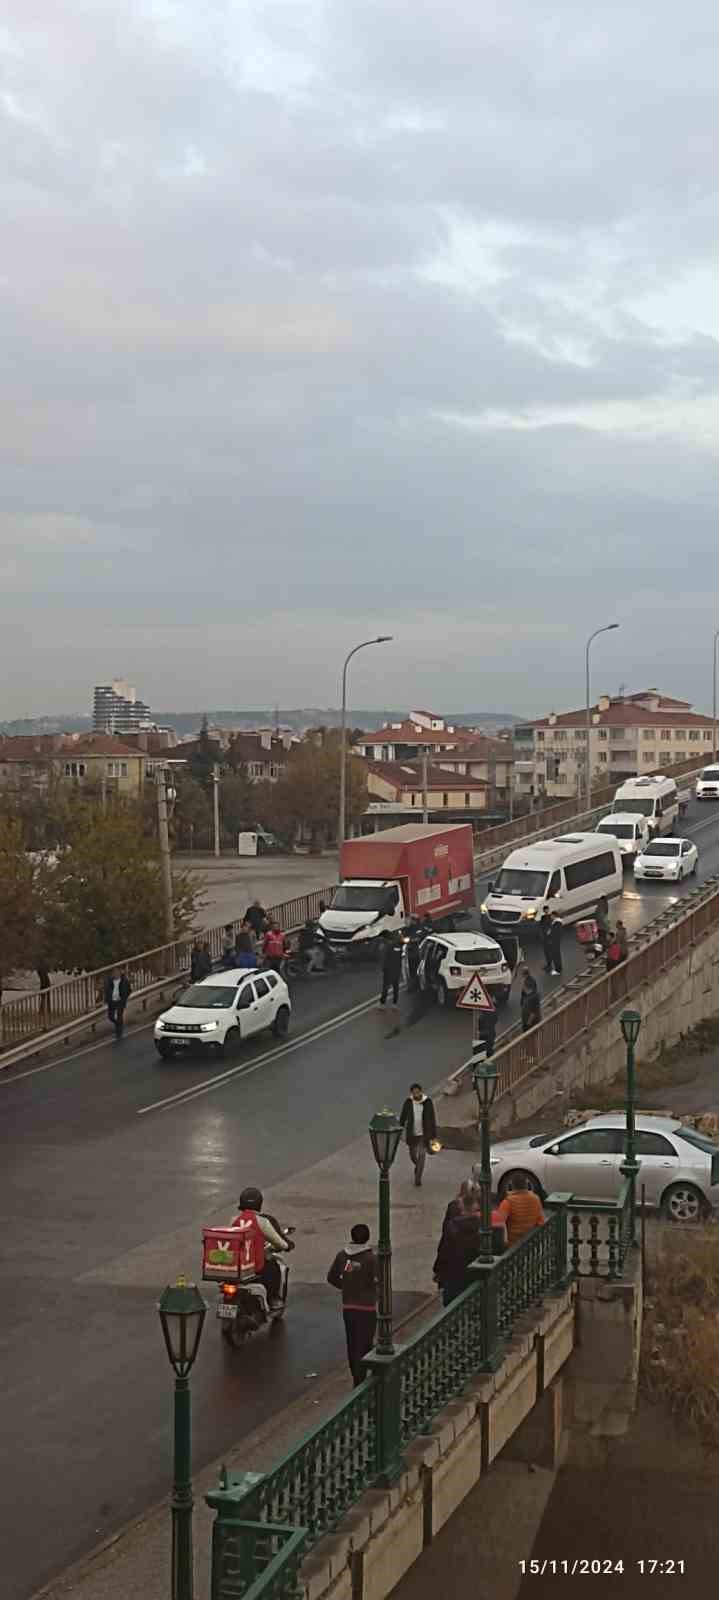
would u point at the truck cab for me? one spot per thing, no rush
(362, 910)
(397, 874)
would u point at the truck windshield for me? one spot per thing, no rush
(356, 897)
(518, 880)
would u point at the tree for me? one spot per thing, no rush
(307, 794)
(203, 759)
(237, 803)
(103, 900)
(18, 900)
(192, 816)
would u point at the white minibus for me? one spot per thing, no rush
(566, 875)
(655, 798)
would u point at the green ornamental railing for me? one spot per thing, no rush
(359, 1446)
(600, 1233)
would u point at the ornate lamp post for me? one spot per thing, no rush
(385, 1131)
(484, 1079)
(631, 1022)
(182, 1314)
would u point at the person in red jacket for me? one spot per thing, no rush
(260, 1229)
(275, 947)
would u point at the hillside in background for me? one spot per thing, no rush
(297, 719)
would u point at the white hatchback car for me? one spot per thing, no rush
(222, 1010)
(448, 961)
(667, 859)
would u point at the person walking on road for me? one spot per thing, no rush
(117, 993)
(354, 1273)
(391, 967)
(419, 1120)
(415, 938)
(521, 1209)
(246, 946)
(529, 1002)
(487, 1033)
(554, 946)
(545, 927)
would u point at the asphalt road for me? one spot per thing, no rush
(105, 1152)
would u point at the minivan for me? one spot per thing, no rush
(655, 798)
(567, 875)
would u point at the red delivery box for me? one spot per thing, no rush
(221, 1254)
(588, 932)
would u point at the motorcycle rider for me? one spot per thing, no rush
(266, 1231)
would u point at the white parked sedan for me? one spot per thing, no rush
(667, 859)
(679, 1168)
(221, 1011)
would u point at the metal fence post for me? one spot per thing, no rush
(488, 1308)
(387, 1374)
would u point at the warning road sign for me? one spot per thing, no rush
(475, 996)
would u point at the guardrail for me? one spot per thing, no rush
(74, 999)
(360, 1443)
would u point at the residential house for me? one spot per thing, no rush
(405, 741)
(85, 760)
(628, 735)
(399, 787)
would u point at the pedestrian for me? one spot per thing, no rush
(246, 946)
(521, 1209)
(487, 1033)
(257, 918)
(204, 965)
(529, 1002)
(195, 960)
(617, 948)
(545, 927)
(460, 1245)
(426, 926)
(601, 917)
(117, 993)
(354, 1272)
(554, 943)
(419, 1120)
(275, 947)
(415, 938)
(391, 967)
(44, 981)
(228, 943)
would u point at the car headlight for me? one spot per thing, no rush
(528, 916)
(483, 907)
(161, 1026)
(206, 1027)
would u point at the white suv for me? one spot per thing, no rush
(448, 961)
(222, 1010)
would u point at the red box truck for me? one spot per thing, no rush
(400, 873)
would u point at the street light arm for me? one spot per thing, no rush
(382, 638)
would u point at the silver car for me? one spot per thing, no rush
(679, 1168)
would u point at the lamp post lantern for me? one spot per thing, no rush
(484, 1078)
(182, 1313)
(383, 638)
(587, 758)
(631, 1022)
(385, 1131)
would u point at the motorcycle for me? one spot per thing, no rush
(243, 1307)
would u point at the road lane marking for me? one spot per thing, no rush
(7, 1080)
(243, 1069)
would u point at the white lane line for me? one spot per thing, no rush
(243, 1070)
(6, 1081)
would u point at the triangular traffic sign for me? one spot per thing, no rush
(475, 996)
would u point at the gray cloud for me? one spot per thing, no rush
(350, 316)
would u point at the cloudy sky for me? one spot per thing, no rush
(338, 317)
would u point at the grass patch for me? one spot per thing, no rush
(680, 1347)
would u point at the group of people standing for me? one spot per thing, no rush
(259, 939)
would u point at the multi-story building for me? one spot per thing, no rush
(628, 735)
(405, 741)
(116, 708)
(83, 760)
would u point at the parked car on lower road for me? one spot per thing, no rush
(218, 1013)
(449, 960)
(679, 1169)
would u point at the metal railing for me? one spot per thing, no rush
(599, 1233)
(251, 1560)
(81, 996)
(312, 1489)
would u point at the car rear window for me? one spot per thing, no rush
(476, 958)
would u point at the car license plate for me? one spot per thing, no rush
(182, 1042)
(227, 1311)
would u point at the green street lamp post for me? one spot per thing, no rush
(484, 1078)
(385, 1131)
(182, 1314)
(631, 1022)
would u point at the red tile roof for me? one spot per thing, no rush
(409, 776)
(622, 715)
(414, 733)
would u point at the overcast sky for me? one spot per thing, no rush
(338, 317)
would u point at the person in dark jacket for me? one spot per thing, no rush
(545, 926)
(415, 938)
(257, 918)
(354, 1272)
(195, 960)
(601, 917)
(117, 993)
(487, 1033)
(419, 1120)
(529, 1002)
(204, 965)
(554, 945)
(391, 967)
(459, 1246)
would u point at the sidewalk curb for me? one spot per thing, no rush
(82, 1568)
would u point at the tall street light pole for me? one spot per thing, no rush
(714, 701)
(163, 834)
(383, 638)
(587, 759)
(182, 1314)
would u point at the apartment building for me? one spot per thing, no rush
(629, 735)
(84, 760)
(116, 708)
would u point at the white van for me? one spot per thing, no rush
(567, 875)
(629, 829)
(655, 798)
(707, 784)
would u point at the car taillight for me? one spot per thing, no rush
(228, 1289)
(455, 972)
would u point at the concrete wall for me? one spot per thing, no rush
(602, 1372)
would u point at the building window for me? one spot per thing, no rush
(602, 733)
(580, 733)
(540, 737)
(694, 735)
(708, 736)
(665, 735)
(467, 800)
(603, 755)
(559, 734)
(74, 769)
(445, 799)
(680, 736)
(123, 769)
(647, 733)
(650, 757)
(413, 797)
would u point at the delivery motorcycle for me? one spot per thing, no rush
(243, 1305)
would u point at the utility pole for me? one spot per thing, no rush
(425, 804)
(164, 837)
(216, 805)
